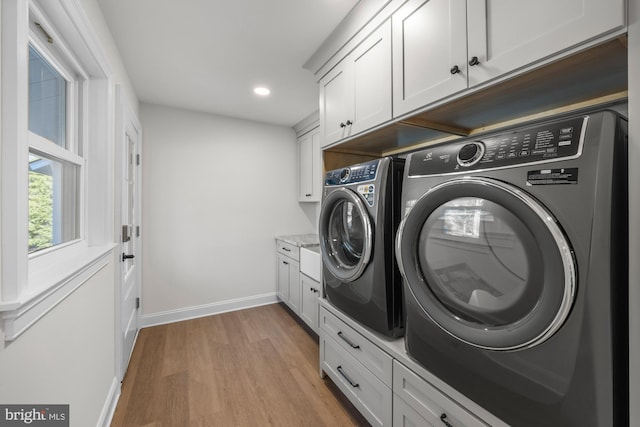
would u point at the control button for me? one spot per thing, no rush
(344, 175)
(500, 157)
(566, 130)
(524, 153)
(470, 154)
(512, 155)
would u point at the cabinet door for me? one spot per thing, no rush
(508, 34)
(309, 303)
(336, 103)
(429, 40)
(294, 286)
(310, 165)
(283, 277)
(372, 79)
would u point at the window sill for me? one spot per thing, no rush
(54, 285)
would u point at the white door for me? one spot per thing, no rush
(129, 292)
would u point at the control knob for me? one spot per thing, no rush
(344, 175)
(470, 154)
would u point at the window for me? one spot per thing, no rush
(54, 167)
(57, 210)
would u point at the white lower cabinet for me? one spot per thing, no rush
(366, 391)
(360, 369)
(374, 375)
(310, 290)
(288, 280)
(416, 402)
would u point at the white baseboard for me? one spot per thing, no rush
(110, 404)
(178, 315)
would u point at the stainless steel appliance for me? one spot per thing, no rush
(358, 220)
(514, 257)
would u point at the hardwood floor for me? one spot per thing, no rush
(255, 367)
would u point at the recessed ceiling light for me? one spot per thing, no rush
(262, 91)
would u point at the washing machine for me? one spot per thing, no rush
(513, 250)
(359, 217)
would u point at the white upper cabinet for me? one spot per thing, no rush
(506, 35)
(356, 94)
(441, 47)
(429, 40)
(336, 103)
(310, 167)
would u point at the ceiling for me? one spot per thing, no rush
(208, 55)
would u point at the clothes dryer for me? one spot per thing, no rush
(358, 221)
(514, 255)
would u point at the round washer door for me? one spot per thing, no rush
(487, 263)
(346, 234)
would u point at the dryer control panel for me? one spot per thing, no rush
(353, 174)
(540, 143)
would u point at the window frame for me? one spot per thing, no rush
(67, 67)
(32, 284)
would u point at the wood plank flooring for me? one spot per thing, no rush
(255, 367)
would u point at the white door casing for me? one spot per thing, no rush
(128, 142)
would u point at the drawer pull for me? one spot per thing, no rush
(346, 377)
(443, 418)
(286, 249)
(341, 335)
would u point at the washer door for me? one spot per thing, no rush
(487, 263)
(346, 235)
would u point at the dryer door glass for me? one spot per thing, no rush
(487, 263)
(479, 260)
(345, 234)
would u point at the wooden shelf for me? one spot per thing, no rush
(593, 78)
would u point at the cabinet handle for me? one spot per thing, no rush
(349, 122)
(286, 249)
(443, 418)
(285, 262)
(342, 125)
(125, 256)
(455, 69)
(474, 61)
(341, 335)
(307, 195)
(346, 377)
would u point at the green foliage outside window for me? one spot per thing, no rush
(40, 211)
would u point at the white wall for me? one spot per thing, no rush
(68, 356)
(99, 26)
(216, 191)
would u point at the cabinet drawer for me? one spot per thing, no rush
(428, 401)
(405, 416)
(363, 350)
(371, 396)
(287, 249)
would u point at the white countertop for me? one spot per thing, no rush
(301, 240)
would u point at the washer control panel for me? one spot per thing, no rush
(354, 174)
(538, 143)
